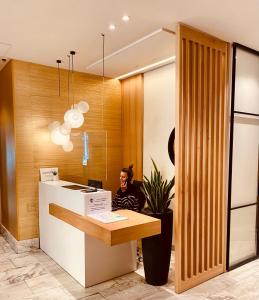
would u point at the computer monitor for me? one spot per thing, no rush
(95, 183)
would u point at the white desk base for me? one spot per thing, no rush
(85, 258)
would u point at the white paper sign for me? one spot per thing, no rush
(98, 202)
(108, 217)
(48, 174)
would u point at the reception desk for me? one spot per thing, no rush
(90, 250)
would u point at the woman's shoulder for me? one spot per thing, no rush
(132, 188)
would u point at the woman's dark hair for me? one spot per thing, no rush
(129, 171)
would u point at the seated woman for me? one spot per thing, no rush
(126, 196)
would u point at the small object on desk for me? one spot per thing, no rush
(95, 183)
(49, 174)
(74, 187)
(89, 190)
(108, 217)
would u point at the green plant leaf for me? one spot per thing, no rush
(157, 191)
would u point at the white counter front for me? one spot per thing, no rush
(87, 259)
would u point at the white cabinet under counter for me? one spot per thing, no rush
(89, 250)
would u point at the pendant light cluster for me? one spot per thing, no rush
(73, 118)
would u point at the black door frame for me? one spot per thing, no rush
(233, 112)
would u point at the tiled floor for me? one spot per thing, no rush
(35, 276)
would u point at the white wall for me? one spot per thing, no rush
(159, 118)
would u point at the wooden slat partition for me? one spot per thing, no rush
(201, 157)
(132, 123)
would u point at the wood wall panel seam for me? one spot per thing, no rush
(132, 123)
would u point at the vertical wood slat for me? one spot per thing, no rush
(202, 165)
(205, 159)
(225, 61)
(132, 123)
(209, 233)
(186, 182)
(188, 165)
(180, 234)
(194, 160)
(216, 158)
(199, 166)
(182, 186)
(201, 135)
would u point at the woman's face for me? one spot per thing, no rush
(123, 177)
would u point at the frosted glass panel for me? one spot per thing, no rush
(242, 234)
(245, 161)
(247, 82)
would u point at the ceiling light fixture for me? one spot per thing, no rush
(73, 118)
(125, 18)
(112, 27)
(148, 68)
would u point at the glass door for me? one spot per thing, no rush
(244, 159)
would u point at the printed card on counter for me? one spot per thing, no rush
(108, 217)
(98, 202)
(48, 174)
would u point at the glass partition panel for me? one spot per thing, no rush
(243, 234)
(245, 161)
(244, 158)
(95, 150)
(247, 82)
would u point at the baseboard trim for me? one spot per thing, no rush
(19, 246)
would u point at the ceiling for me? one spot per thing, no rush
(155, 47)
(42, 31)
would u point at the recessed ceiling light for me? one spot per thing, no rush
(125, 18)
(112, 27)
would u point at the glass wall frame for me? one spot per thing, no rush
(243, 239)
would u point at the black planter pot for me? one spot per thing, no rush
(157, 250)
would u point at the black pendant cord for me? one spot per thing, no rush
(106, 153)
(68, 79)
(103, 37)
(72, 56)
(58, 62)
(103, 40)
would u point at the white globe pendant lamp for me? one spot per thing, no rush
(82, 107)
(58, 138)
(74, 118)
(65, 128)
(54, 125)
(68, 147)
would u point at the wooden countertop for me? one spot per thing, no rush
(137, 225)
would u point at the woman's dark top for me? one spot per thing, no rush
(127, 199)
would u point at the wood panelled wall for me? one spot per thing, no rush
(201, 157)
(7, 151)
(36, 104)
(132, 123)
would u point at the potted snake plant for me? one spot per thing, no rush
(157, 249)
